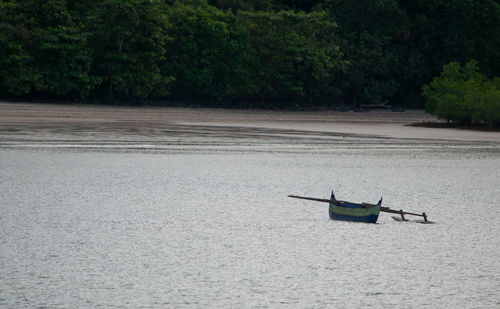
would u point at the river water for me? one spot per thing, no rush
(199, 226)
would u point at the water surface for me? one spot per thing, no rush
(203, 226)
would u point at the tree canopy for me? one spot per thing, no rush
(259, 53)
(463, 95)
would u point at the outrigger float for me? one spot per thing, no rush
(361, 212)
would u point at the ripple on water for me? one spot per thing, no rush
(215, 229)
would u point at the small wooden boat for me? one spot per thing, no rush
(349, 211)
(361, 212)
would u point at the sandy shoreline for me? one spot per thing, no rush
(25, 123)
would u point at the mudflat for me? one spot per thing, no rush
(79, 124)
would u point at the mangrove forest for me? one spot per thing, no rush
(443, 55)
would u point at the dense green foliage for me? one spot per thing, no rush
(373, 39)
(463, 95)
(42, 49)
(265, 53)
(129, 39)
(298, 56)
(210, 55)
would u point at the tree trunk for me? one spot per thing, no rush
(110, 90)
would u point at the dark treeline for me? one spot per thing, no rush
(260, 53)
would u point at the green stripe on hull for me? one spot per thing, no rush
(356, 212)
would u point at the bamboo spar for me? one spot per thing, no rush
(384, 209)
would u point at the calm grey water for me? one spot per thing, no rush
(212, 228)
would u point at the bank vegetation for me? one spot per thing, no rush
(288, 54)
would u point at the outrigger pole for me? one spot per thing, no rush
(314, 199)
(384, 209)
(403, 213)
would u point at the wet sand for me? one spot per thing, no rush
(38, 125)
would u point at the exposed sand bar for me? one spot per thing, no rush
(50, 124)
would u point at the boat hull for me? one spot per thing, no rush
(345, 211)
